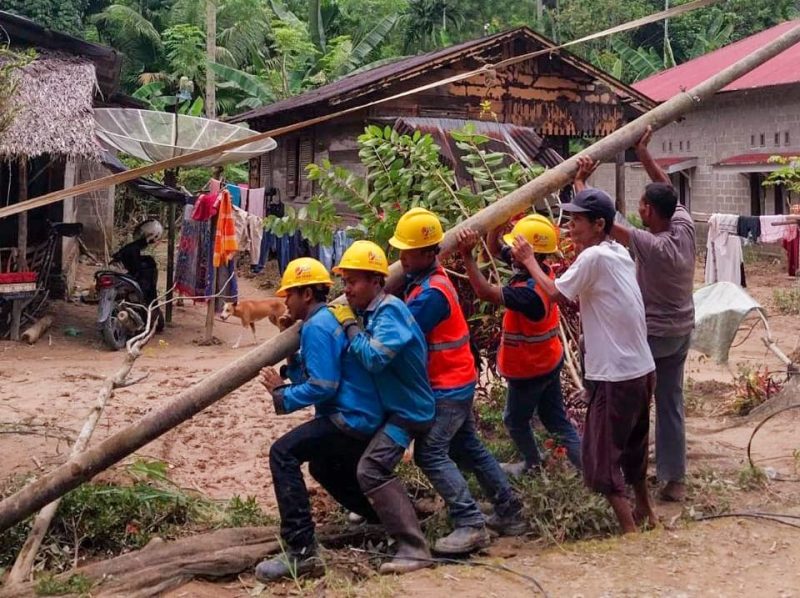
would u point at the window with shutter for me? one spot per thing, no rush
(292, 178)
(265, 171)
(305, 156)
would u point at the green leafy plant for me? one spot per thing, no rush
(787, 301)
(49, 585)
(753, 386)
(559, 507)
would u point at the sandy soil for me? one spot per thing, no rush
(223, 451)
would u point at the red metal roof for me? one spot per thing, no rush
(752, 159)
(780, 70)
(668, 161)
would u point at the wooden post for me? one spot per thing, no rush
(22, 223)
(619, 182)
(208, 391)
(22, 245)
(170, 260)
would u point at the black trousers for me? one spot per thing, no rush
(332, 458)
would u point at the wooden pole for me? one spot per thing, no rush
(22, 244)
(208, 338)
(170, 259)
(113, 449)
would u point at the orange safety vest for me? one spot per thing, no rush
(530, 349)
(450, 361)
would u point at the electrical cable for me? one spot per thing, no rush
(755, 431)
(766, 516)
(468, 562)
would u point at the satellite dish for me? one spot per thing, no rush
(155, 136)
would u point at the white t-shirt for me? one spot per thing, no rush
(603, 278)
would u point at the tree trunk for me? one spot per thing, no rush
(211, 55)
(161, 566)
(83, 467)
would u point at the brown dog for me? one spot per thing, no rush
(251, 311)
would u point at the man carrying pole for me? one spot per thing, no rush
(453, 439)
(392, 348)
(530, 356)
(618, 361)
(348, 412)
(665, 261)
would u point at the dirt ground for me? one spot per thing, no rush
(46, 390)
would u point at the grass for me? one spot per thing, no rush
(787, 301)
(48, 585)
(103, 520)
(707, 493)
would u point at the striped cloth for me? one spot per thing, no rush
(225, 245)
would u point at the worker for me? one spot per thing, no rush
(392, 348)
(618, 362)
(665, 260)
(433, 301)
(530, 356)
(344, 396)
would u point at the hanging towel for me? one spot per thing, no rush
(236, 194)
(204, 208)
(724, 257)
(214, 186)
(749, 227)
(255, 203)
(225, 245)
(769, 233)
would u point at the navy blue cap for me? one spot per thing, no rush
(592, 201)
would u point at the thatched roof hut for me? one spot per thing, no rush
(52, 108)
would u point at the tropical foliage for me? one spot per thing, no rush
(271, 49)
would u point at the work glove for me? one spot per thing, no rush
(343, 314)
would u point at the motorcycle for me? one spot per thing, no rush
(124, 297)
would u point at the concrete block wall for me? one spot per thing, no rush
(732, 123)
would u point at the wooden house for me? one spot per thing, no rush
(50, 144)
(538, 104)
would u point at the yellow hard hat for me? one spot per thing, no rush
(538, 231)
(364, 255)
(416, 229)
(301, 272)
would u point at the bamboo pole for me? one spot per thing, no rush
(83, 467)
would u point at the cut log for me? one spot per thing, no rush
(35, 495)
(161, 566)
(34, 332)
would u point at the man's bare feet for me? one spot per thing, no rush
(622, 509)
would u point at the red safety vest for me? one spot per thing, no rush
(450, 361)
(530, 349)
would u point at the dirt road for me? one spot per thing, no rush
(46, 389)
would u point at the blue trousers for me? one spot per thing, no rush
(452, 443)
(541, 396)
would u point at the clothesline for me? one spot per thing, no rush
(724, 261)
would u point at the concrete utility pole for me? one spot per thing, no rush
(208, 391)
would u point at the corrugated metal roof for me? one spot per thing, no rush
(782, 69)
(338, 92)
(753, 159)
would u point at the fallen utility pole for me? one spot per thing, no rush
(83, 467)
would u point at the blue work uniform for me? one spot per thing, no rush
(392, 347)
(325, 375)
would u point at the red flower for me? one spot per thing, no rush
(560, 452)
(131, 529)
(549, 443)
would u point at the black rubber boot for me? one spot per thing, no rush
(291, 564)
(397, 514)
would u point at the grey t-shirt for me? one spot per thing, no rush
(665, 271)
